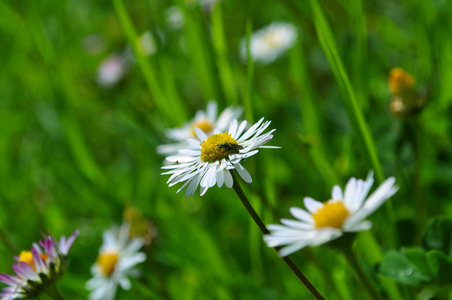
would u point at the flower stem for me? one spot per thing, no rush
(53, 292)
(351, 259)
(264, 230)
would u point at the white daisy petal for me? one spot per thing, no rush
(232, 127)
(363, 225)
(312, 205)
(240, 130)
(228, 179)
(220, 178)
(201, 135)
(212, 111)
(302, 215)
(336, 194)
(243, 173)
(293, 248)
(296, 224)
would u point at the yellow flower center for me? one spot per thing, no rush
(211, 152)
(27, 257)
(333, 214)
(271, 39)
(107, 262)
(205, 125)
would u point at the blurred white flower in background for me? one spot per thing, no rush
(174, 17)
(117, 257)
(270, 42)
(111, 70)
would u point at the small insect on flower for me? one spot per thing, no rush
(231, 148)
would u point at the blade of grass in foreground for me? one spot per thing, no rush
(219, 45)
(247, 90)
(148, 70)
(359, 125)
(199, 49)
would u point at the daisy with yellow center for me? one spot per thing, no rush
(116, 261)
(210, 159)
(207, 121)
(323, 222)
(38, 270)
(270, 42)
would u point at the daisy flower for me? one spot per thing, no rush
(37, 270)
(270, 42)
(117, 257)
(207, 121)
(209, 159)
(323, 222)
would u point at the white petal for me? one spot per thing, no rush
(251, 131)
(293, 248)
(211, 110)
(201, 135)
(177, 159)
(232, 127)
(312, 205)
(124, 282)
(364, 225)
(190, 152)
(203, 190)
(228, 179)
(220, 178)
(194, 143)
(207, 178)
(240, 130)
(325, 235)
(243, 173)
(302, 215)
(350, 188)
(336, 194)
(296, 224)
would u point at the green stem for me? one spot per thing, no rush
(264, 230)
(351, 259)
(416, 142)
(53, 292)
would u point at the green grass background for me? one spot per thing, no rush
(73, 153)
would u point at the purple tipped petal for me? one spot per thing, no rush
(66, 245)
(40, 265)
(26, 272)
(10, 280)
(49, 248)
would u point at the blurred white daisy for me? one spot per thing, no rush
(323, 222)
(174, 17)
(270, 42)
(117, 257)
(207, 121)
(209, 159)
(147, 44)
(111, 70)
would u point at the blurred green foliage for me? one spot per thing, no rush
(73, 153)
